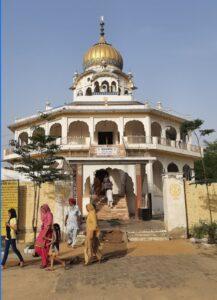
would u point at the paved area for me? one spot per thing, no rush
(145, 270)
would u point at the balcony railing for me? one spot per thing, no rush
(141, 141)
(129, 142)
(75, 140)
(105, 93)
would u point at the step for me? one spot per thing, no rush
(151, 238)
(80, 239)
(147, 235)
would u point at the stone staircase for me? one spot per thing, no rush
(147, 235)
(119, 211)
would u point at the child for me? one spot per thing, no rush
(54, 247)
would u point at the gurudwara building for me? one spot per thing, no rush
(104, 131)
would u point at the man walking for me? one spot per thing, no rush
(72, 221)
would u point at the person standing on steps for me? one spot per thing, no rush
(11, 235)
(107, 186)
(72, 222)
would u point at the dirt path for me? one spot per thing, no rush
(155, 270)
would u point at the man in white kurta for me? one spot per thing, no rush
(73, 215)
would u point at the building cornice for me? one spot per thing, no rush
(105, 108)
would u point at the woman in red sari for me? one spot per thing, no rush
(42, 243)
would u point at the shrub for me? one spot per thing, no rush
(212, 233)
(203, 230)
(199, 231)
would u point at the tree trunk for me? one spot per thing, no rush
(37, 207)
(34, 212)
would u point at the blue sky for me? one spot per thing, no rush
(169, 45)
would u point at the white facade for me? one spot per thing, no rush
(106, 128)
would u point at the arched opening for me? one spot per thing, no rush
(78, 133)
(96, 87)
(23, 138)
(156, 129)
(126, 92)
(113, 87)
(135, 132)
(122, 189)
(106, 133)
(39, 131)
(56, 132)
(187, 172)
(172, 168)
(88, 92)
(80, 93)
(171, 133)
(156, 132)
(105, 87)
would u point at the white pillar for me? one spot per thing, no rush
(178, 135)
(30, 132)
(147, 125)
(91, 129)
(150, 176)
(174, 205)
(189, 141)
(91, 180)
(163, 136)
(16, 135)
(46, 128)
(178, 138)
(64, 130)
(121, 129)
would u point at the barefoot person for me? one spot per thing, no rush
(91, 247)
(54, 247)
(72, 221)
(107, 186)
(10, 240)
(42, 244)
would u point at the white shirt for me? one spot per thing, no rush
(73, 212)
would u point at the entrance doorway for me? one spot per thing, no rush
(105, 138)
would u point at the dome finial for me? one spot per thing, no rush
(102, 33)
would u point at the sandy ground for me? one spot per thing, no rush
(144, 270)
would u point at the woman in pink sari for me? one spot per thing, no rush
(42, 243)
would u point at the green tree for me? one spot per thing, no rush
(210, 161)
(195, 127)
(38, 160)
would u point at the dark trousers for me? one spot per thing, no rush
(12, 243)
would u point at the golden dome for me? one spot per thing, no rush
(102, 53)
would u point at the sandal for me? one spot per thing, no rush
(43, 267)
(21, 264)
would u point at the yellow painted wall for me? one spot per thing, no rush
(9, 193)
(197, 204)
(26, 203)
